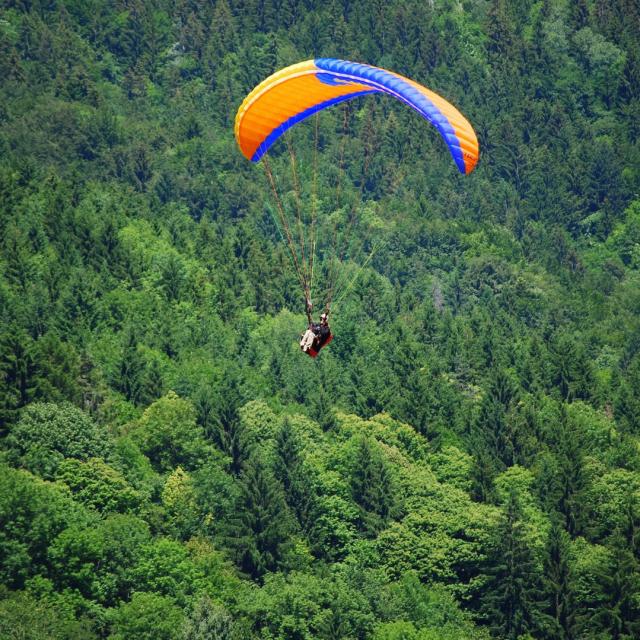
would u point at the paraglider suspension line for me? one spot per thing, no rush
(296, 189)
(346, 243)
(285, 227)
(314, 210)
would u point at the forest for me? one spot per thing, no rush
(462, 462)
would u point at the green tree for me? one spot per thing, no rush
(58, 370)
(511, 599)
(618, 612)
(179, 499)
(98, 560)
(323, 410)
(259, 533)
(208, 621)
(99, 486)
(147, 616)
(421, 612)
(558, 583)
(229, 433)
(47, 433)
(372, 487)
(25, 617)
(168, 434)
(165, 567)
(32, 514)
(293, 474)
(131, 370)
(572, 478)
(17, 372)
(153, 386)
(495, 424)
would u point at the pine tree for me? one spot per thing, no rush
(19, 270)
(626, 403)
(17, 372)
(229, 433)
(261, 528)
(131, 370)
(559, 583)
(204, 404)
(290, 472)
(223, 37)
(511, 602)
(618, 613)
(288, 459)
(483, 473)
(173, 277)
(573, 375)
(495, 427)
(58, 369)
(153, 385)
(322, 409)
(371, 488)
(572, 482)
(500, 30)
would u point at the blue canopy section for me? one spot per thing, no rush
(388, 82)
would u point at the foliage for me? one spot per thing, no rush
(146, 616)
(26, 617)
(462, 460)
(33, 513)
(168, 435)
(46, 434)
(97, 485)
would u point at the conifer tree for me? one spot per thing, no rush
(618, 612)
(153, 383)
(322, 409)
(287, 460)
(289, 471)
(558, 583)
(511, 601)
(572, 374)
(131, 370)
(371, 487)
(17, 370)
(259, 532)
(495, 426)
(572, 482)
(204, 404)
(229, 433)
(483, 473)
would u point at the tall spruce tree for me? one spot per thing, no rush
(559, 584)
(17, 372)
(322, 409)
(572, 481)
(511, 600)
(371, 487)
(617, 612)
(495, 424)
(229, 433)
(259, 532)
(131, 369)
(290, 472)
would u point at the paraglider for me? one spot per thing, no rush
(317, 335)
(301, 90)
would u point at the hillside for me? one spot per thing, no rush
(462, 461)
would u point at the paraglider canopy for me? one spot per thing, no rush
(297, 92)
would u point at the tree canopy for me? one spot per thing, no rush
(462, 461)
